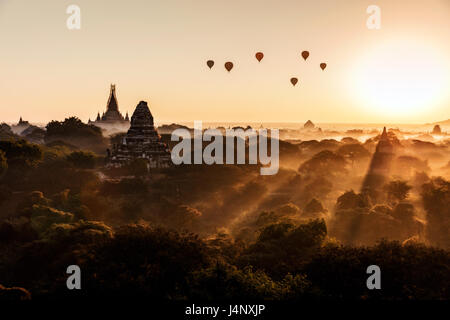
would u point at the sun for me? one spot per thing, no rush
(401, 79)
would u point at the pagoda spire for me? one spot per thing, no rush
(384, 135)
(112, 100)
(112, 113)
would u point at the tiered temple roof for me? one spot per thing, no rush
(141, 141)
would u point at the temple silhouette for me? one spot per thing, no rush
(112, 114)
(142, 141)
(380, 165)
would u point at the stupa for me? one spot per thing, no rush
(142, 141)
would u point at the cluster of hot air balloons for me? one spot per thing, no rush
(228, 65)
(259, 56)
(305, 55)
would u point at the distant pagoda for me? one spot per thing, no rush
(22, 122)
(309, 125)
(112, 114)
(380, 165)
(142, 141)
(437, 129)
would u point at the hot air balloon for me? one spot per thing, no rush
(294, 81)
(305, 55)
(323, 66)
(259, 56)
(228, 66)
(210, 63)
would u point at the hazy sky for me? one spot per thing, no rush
(157, 51)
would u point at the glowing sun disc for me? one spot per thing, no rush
(401, 78)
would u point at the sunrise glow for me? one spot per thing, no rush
(401, 78)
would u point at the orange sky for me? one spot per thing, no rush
(156, 51)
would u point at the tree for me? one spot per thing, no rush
(71, 127)
(3, 163)
(21, 157)
(73, 131)
(42, 217)
(82, 159)
(436, 199)
(353, 151)
(183, 217)
(407, 166)
(141, 260)
(20, 152)
(397, 190)
(325, 163)
(351, 200)
(225, 282)
(283, 247)
(314, 207)
(274, 231)
(409, 272)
